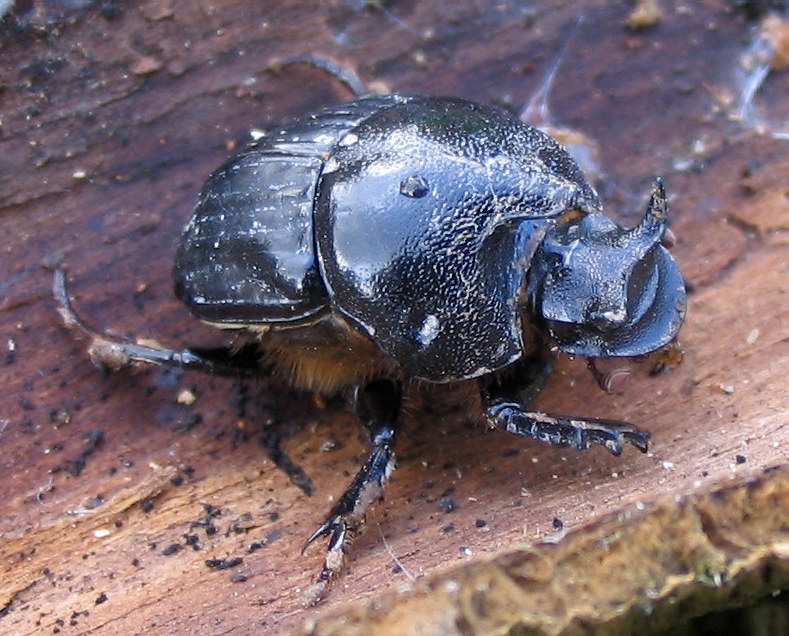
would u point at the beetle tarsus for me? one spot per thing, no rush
(378, 407)
(575, 432)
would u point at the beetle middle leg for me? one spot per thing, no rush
(344, 75)
(505, 407)
(377, 405)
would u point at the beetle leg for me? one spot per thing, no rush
(113, 353)
(505, 409)
(378, 407)
(607, 380)
(345, 75)
(579, 433)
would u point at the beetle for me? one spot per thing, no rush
(406, 239)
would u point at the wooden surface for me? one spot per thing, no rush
(660, 564)
(111, 116)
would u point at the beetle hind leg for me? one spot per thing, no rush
(378, 407)
(505, 409)
(112, 353)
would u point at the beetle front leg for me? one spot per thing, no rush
(113, 353)
(505, 407)
(378, 407)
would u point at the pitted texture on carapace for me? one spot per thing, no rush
(427, 216)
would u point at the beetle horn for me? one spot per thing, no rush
(653, 225)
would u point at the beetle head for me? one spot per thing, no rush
(604, 290)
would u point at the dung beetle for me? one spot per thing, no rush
(405, 239)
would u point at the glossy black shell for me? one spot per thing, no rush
(247, 255)
(415, 218)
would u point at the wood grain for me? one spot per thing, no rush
(682, 556)
(112, 115)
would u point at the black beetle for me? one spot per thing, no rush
(402, 238)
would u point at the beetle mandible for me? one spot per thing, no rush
(406, 238)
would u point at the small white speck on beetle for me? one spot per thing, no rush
(79, 174)
(428, 331)
(332, 165)
(349, 140)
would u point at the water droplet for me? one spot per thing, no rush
(415, 187)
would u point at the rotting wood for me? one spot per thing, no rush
(634, 572)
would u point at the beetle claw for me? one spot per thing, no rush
(341, 530)
(614, 445)
(323, 530)
(639, 439)
(334, 562)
